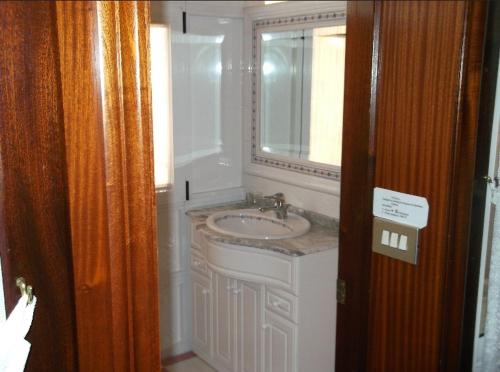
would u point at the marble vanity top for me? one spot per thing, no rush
(322, 236)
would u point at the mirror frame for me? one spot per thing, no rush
(292, 22)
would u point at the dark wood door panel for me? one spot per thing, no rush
(410, 124)
(77, 201)
(418, 81)
(35, 239)
(423, 144)
(357, 185)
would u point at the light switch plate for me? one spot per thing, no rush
(411, 233)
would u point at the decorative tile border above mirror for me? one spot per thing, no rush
(283, 23)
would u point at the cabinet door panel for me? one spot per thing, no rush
(224, 321)
(279, 344)
(201, 314)
(249, 327)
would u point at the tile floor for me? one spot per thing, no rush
(190, 365)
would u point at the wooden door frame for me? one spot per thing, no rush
(357, 182)
(461, 190)
(77, 197)
(487, 103)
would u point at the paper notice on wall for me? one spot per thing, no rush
(402, 208)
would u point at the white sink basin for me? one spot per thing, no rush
(252, 224)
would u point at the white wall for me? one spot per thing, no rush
(485, 346)
(207, 132)
(206, 80)
(300, 196)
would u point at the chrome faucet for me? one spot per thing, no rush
(279, 205)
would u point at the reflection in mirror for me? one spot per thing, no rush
(302, 93)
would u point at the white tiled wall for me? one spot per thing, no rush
(302, 196)
(207, 119)
(206, 98)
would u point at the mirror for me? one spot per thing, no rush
(299, 96)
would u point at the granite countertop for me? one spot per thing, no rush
(322, 236)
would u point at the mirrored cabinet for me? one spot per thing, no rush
(297, 79)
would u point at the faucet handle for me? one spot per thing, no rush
(282, 211)
(278, 195)
(279, 199)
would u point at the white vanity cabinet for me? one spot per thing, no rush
(279, 343)
(237, 338)
(201, 292)
(261, 322)
(224, 321)
(249, 325)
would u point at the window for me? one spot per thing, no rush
(162, 105)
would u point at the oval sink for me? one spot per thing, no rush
(252, 224)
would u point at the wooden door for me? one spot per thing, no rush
(249, 327)
(77, 195)
(224, 321)
(35, 235)
(411, 105)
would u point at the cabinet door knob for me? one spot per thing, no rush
(265, 326)
(236, 291)
(205, 291)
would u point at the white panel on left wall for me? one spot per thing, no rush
(206, 81)
(215, 52)
(207, 133)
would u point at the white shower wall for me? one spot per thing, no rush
(206, 84)
(207, 131)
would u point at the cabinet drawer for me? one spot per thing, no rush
(282, 303)
(198, 263)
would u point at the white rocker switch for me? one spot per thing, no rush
(394, 240)
(403, 241)
(385, 237)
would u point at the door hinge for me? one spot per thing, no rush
(341, 291)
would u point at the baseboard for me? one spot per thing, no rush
(168, 361)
